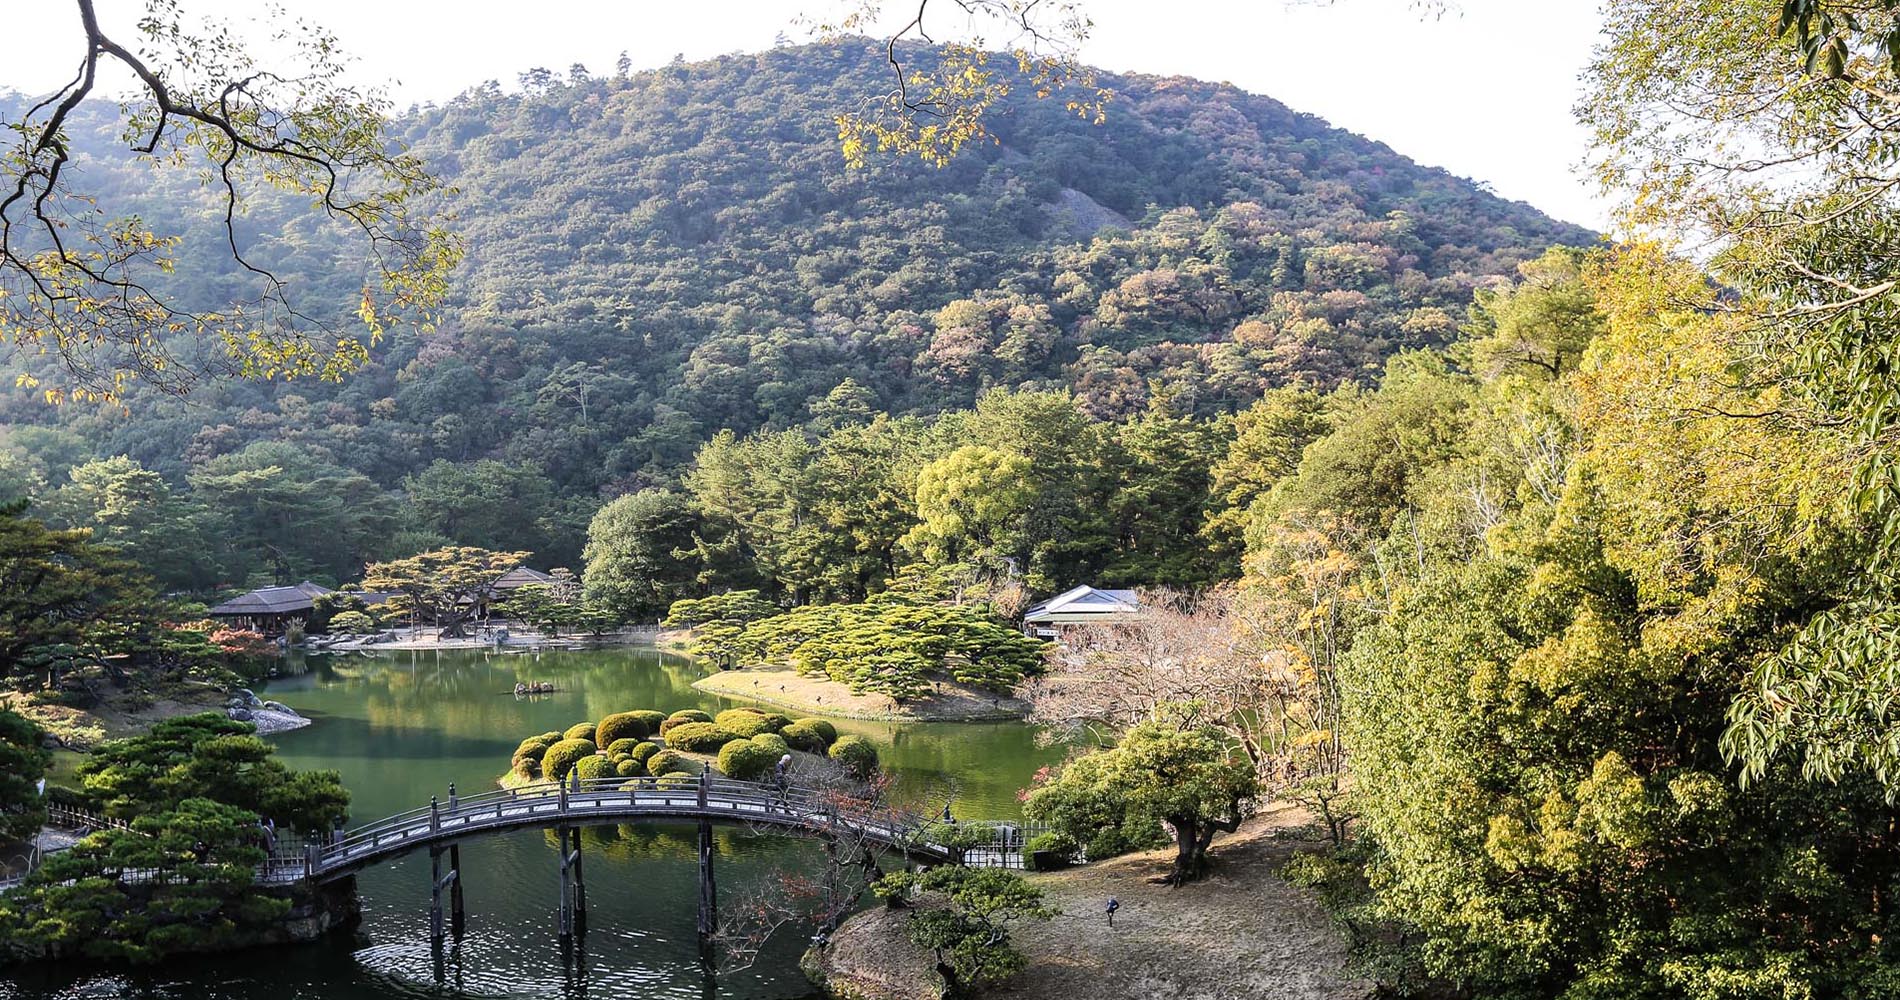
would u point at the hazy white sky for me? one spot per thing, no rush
(1485, 91)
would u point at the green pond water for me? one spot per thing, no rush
(401, 726)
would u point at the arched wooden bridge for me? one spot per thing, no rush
(599, 801)
(568, 806)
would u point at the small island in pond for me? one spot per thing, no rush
(892, 657)
(783, 687)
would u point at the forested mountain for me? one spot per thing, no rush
(656, 257)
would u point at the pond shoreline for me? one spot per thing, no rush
(524, 641)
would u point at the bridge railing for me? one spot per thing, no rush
(793, 805)
(68, 818)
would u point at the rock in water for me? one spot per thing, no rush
(269, 717)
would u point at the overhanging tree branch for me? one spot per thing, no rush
(93, 291)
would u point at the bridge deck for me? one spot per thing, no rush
(617, 800)
(613, 800)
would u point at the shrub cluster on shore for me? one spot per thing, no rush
(747, 742)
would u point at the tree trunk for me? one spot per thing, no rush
(1190, 856)
(952, 986)
(453, 629)
(1192, 837)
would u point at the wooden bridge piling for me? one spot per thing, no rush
(573, 917)
(708, 892)
(458, 917)
(580, 886)
(566, 922)
(435, 896)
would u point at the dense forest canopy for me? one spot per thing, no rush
(656, 257)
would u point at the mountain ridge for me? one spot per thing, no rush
(657, 257)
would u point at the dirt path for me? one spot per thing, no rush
(1241, 933)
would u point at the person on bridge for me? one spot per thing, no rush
(782, 776)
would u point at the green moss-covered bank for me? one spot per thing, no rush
(314, 913)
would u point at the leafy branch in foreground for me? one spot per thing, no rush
(1772, 132)
(932, 111)
(96, 291)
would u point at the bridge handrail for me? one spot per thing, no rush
(727, 797)
(810, 808)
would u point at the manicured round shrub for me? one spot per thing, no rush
(665, 762)
(526, 760)
(535, 747)
(752, 721)
(690, 715)
(1053, 840)
(651, 718)
(824, 727)
(678, 779)
(959, 836)
(700, 737)
(562, 756)
(621, 726)
(621, 748)
(857, 755)
(592, 768)
(773, 742)
(537, 744)
(804, 737)
(747, 722)
(642, 751)
(629, 768)
(747, 760)
(580, 731)
(677, 721)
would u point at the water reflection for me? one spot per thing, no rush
(402, 726)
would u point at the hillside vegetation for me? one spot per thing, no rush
(657, 257)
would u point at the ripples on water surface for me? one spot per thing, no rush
(401, 726)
